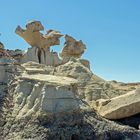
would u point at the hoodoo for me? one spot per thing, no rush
(44, 96)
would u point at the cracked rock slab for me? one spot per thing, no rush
(120, 107)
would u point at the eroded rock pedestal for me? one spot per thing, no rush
(41, 43)
(42, 56)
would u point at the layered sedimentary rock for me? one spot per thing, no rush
(42, 56)
(46, 102)
(44, 97)
(44, 105)
(40, 51)
(41, 43)
(120, 107)
(36, 93)
(90, 87)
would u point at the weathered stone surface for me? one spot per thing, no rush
(36, 68)
(36, 39)
(30, 55)
(50, 79)
(120, 107)
(7, 67)
(75, 69)
(8, 56)
(50, 98)
(42, 56)
(72, 48)
(90, 87)
(40, 51)
(37, 96)
(52, 38)
(44, 93)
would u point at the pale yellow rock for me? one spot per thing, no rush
(120, 107)
(33, 36)
(72, 48)
(41, 43)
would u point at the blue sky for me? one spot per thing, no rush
(109, 28)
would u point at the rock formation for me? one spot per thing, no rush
(45, 97)
(45, 102)
(120, 107)
(40, 51)
(72, 48)
(33, 36)
(44, 94)
(75, 49)
(41, 93)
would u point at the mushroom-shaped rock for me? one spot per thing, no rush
(41, 43)
(34, 38)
